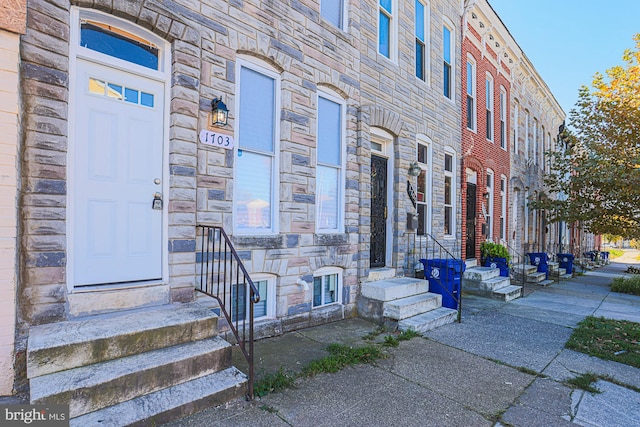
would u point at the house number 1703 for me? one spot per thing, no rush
(216, 139)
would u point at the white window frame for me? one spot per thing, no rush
(516, 125)
(490, 186)
(527, 118)
(503, 207)
(503, 118)
(535, 141)
(343, 17)
(472, 95)
(262, 68)
(333, 97)
(452, 64)
(427, 168)
(452, 175)
(323, 272)
(269, 299)
(393, 30)
(490, 134)
(425, 58)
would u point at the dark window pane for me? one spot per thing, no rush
(239, 302)
(489, 121)
(447, 190)
(422, 219)
(423, 156)
(448, 160)
(317, 291)
(419, 60)
(102, 40)
(470, 112)
(447, 220)
(447, 80)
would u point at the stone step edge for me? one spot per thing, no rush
(171, 403)
(84, 341)
(430, 320)
(89, 388)
(394, 289)
(430, 299)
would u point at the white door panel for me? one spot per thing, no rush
(117, 154)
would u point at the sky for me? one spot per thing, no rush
(568, 41)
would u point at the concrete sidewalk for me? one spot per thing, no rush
(503, 365)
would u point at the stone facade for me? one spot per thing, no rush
(388, 110)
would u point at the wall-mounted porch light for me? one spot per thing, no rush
(219, 113)
(414, 169)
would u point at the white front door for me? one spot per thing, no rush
(117, 169)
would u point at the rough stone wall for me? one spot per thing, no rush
(532, 95)
(407, 107)
(206, 40)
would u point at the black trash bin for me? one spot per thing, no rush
(541, 260)
(445, 277)
(566, 262)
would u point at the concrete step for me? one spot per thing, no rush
(536, 277)
(507, 293)
(479, 274)
(430, 320)
(485, 287)
(546, 282)
(566, 276)
(90, 388)
(392, 289)
(411, 306)
(553, 266)
(376, 274)
(518, 269)
(84, 341)
(171, 403)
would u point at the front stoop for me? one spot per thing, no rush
(486, 281)
(118, 369)
(405, 303)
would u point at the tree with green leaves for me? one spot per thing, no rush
(595, 169)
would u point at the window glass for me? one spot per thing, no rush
(328, 197)
(253, 194)
(384, 43)
(329, 132)
(332, 10)
(120, 44)
(257, 110)
(420, 40)
(325, 290)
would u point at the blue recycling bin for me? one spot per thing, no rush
(605, 256)
(541, 260)
(593, 255)
(501, 263)
(566, 262)
(445, 277)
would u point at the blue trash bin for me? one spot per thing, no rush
(445, 277)
(605, 256)
(541, 260)
(566, 262)
(500, 263)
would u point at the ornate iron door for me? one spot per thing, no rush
(471, 221)
(378, 211)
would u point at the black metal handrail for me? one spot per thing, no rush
(224, 278)
(517, 259)
(434, 250)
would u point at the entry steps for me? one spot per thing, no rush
(143, 367)
(402, 302)
(486, 281)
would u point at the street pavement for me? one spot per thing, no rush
(504, 365)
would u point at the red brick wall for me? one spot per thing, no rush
(478, 153)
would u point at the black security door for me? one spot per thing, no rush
(378, 211)
(471, 221)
